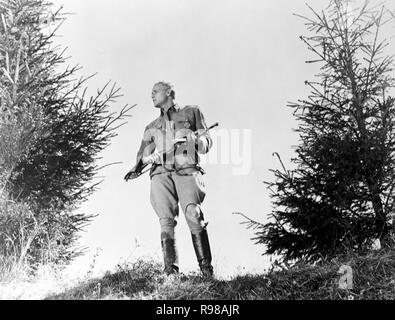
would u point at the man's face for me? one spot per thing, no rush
(160, 95)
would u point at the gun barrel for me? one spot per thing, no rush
(172, 149)
(213, 126)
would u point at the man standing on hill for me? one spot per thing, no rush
(176, 176)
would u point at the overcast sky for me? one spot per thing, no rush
(241, 62)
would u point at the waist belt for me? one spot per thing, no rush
(176, 171)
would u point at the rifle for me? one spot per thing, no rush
(140, 168)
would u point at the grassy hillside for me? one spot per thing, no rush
(374, 278)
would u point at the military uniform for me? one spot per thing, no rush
(178, 180)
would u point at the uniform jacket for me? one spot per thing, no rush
(160, 134)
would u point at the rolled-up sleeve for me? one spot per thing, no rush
(201, 127)
(147, 145)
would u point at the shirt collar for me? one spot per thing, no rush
(175, 107)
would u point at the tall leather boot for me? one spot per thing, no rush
(203, 252)
(170, 257)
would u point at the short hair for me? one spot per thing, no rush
(167, 86)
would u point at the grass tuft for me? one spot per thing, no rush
(374, 278)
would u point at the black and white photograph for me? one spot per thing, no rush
(194, 150)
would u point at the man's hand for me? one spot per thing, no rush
(156, 157)
(191, 137)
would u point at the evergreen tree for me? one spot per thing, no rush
(51, 134)
(341, 194)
